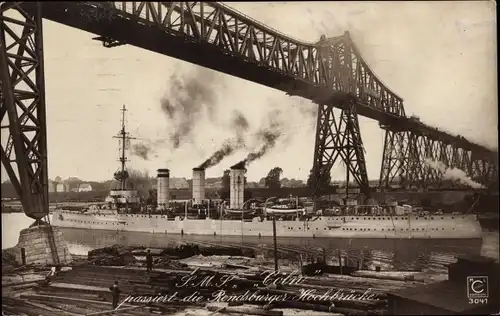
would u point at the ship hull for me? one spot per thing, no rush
(411, 227)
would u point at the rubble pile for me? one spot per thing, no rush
(225, 251)
(181, 251)
(9, 262)
(188, 250)
(168, 263)
(217, 261)
(115, 255)
(8, 257)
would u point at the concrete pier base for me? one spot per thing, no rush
(37, 245)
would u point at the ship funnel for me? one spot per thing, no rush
(237, 187)
(198, 185)
(163, 188)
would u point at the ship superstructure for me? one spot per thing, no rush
(237, 217)
(122, 197)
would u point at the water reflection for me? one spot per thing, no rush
(401, 254)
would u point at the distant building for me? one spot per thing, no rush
(62, 187)
(52, 186)
(252, 185)
(85, 187)
(339, 183)
(214, 183)
(178, 183)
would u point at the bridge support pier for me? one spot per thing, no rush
(404, 161)
(339, 138)
(395, 159)
(42, 244)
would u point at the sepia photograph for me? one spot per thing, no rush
(249, 158)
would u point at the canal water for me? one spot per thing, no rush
(388, 254)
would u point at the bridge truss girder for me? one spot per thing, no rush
(339, 138)
(416, 160)
(23, 149)
(300, 68)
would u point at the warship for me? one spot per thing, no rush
(125, 211)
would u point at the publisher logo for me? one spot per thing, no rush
(477, 287)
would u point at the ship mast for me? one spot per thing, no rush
(123, 135)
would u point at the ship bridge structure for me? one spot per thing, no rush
(330, 72)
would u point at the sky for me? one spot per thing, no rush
(440, 57)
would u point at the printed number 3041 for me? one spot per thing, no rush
(478, 301)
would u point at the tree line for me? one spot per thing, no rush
(273, 180)
(143, 182)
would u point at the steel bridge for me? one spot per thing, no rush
(330, 72)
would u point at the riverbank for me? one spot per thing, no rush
(83, 287)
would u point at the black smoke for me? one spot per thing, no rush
(227, 149)
(141, 150)
(239, 124)
(268, 135)
(185, 100)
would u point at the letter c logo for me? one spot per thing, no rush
(477, 286)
